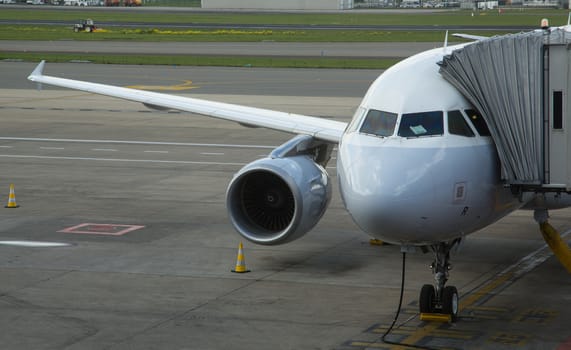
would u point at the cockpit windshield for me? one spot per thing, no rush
(478, 122)
(457, 125)
(379, 123)
(421, 124)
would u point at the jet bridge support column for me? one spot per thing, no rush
(557, 245)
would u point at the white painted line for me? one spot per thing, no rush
(211, 154)
(121, 160)
(221, 145)
(104, 149)
(5, 146)
(34, 244)
(51, 148)
(156, 151)
(102, 229)
(532, 260)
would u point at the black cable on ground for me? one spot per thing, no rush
(383, 338)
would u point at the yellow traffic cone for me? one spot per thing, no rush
(240, 262)
(12, 198)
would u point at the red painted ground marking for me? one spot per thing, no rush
(102, 229)
(565, 345)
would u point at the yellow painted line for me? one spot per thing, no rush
(187, 85)
(396, 331)
(441, 333)
(485, 317)
(536, 316)
(489, 308)
(369, 345)
(421, 333)
(509, 339)
(403, 327)
(485, 290)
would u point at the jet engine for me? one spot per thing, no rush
(277, 200)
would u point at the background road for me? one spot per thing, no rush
(370, 50)
(204, 80)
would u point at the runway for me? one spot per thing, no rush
(139, 196)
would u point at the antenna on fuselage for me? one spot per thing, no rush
(445, 42)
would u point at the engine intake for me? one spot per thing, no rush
(277, 200)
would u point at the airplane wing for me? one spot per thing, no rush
(319, 128)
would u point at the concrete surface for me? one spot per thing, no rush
(169, 286)
(266, 48)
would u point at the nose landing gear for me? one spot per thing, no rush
(440, 299)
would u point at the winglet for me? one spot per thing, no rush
(38, 72)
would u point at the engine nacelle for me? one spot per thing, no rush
(277, 200)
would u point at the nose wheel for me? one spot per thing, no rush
(427, 300)
(440, 299)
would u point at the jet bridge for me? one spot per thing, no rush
(520, 84)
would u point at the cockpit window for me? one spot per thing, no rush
(421, 124)
(478, 121)
(457, 125)
(352, 127)
(379, 123)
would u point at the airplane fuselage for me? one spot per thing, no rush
(416, 165)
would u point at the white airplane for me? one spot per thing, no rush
(416, 167)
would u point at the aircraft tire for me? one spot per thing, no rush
(450, 302)
(427, 296)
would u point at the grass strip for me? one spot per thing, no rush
(53, 33)
(220, 61)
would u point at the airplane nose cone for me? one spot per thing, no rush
(389, 191)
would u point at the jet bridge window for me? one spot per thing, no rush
(379, 123)
(421, 124)
(457, 125)
(558, 110)
(478, 122)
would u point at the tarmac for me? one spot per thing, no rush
(138, 198)
(264, 49)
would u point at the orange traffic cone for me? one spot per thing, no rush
(240, 262)
(12, 198)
